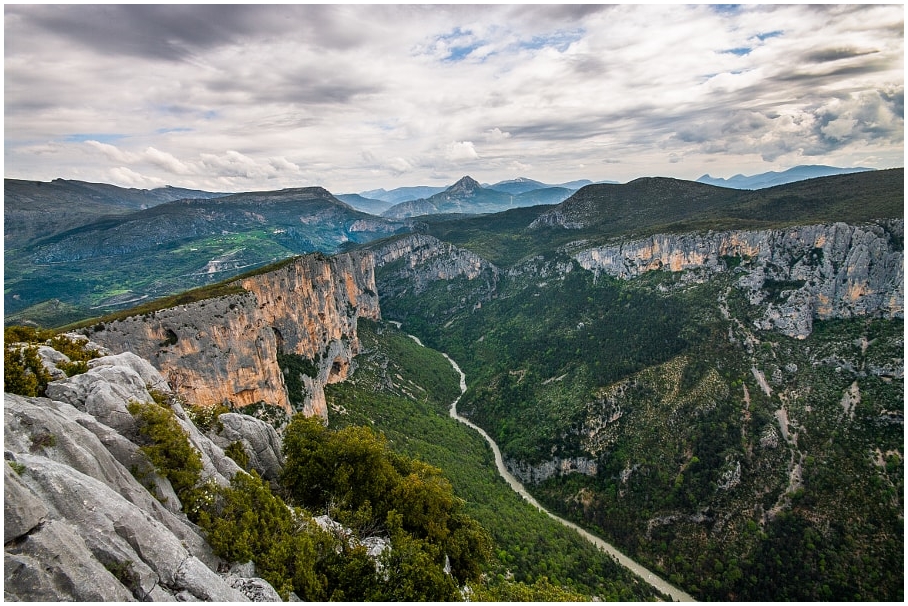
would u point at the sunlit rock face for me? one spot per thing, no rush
(799, 273)
(224, 350)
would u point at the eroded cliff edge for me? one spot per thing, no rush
(799, 273)
(224, 350)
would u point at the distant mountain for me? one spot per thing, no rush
(402, 194)
(523, 185)
(467, 196)
(37, 209)
(372, 206)
(659, 203)
(772, 178)
(518, 186)
(170, 247)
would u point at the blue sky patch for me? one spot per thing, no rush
(99, 137)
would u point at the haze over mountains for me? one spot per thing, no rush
(772, 178)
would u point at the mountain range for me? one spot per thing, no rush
(73, 247)
(710, 379)
(772, 178)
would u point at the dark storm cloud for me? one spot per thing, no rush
(176, 32)
(836, 54)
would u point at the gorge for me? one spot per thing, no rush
(722, 403)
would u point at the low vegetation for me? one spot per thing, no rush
(405, 391)
(713, 477)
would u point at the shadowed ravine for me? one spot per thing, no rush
(650, 577)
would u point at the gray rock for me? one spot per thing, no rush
(148, 373)
(255, 589)
(55, 565)
(216, 465)
(50, 357)
(79, 448)
(114, 530)
(260, 440)
(22, 510)
(104, 392)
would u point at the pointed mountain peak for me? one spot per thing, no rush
(465, 185)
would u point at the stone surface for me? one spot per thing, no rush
(22, 510)
(55, 565)
(798, 273)
(224, 349)
(534, 474)
(50, 357)
(115, 531)
(259, 439)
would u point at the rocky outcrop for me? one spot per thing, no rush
(422, 259)
(259, 440)
(78, 525)
(224, 350)
(534, 474)
(798, 273)
(412, 264)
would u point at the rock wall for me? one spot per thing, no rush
(799, 273)
(426, 259)
(224, 350)
(534, 474)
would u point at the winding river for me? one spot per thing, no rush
(648, 576)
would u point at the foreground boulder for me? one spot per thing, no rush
(78, 525)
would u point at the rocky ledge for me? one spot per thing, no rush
(798, 273)
(80, 526)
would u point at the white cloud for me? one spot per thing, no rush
(460, 151)
(167, 161)
(198, 96)
(129, 178)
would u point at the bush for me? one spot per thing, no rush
(354, 472)
(167, 447)
(23, 372)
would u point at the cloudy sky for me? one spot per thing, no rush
(233, 98)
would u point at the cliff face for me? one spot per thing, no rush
(799, 273)
(224, 349)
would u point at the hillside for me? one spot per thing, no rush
(599, 213)
(171, 247)
(715, 382)
(36, 209)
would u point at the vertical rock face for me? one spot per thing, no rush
(224, 350)
(799, 273)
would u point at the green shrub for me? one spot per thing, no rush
(237, 452)
(167, 447)
(23, 372)
(206, 417)
(354, 471)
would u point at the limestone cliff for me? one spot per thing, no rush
(225, 349)
(411, 265)
(420, 260)
(799, 273)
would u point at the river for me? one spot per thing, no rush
(645, 574)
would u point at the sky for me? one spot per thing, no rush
(359, 97)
